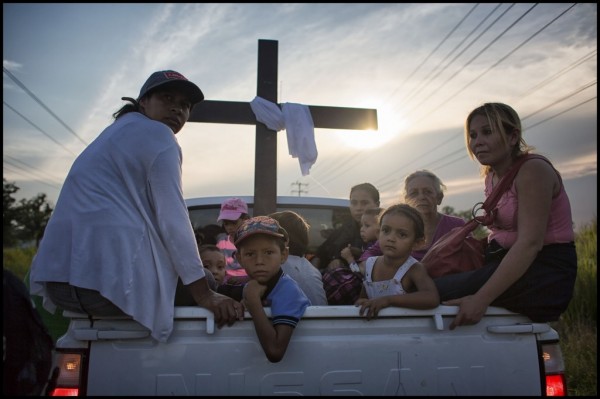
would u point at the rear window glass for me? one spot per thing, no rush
(323, 219)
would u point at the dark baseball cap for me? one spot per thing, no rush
(259, 225)
(172, 79)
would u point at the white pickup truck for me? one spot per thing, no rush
(333, 351)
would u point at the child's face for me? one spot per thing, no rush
(369, 228)
(397, 236)
(215, 262)
(231, 226)
(261, 257)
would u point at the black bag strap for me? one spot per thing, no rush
(489, 206)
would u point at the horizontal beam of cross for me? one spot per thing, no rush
(240, 113)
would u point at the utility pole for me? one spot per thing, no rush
(299, 191)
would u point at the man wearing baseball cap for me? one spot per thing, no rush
(120, 235)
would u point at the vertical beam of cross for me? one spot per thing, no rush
(265, 170)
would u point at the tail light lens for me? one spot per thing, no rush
(554, 370)
(70, 374)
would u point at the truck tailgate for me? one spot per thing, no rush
(332, 352)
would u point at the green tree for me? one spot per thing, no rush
(479, 232)
(32, 217)
(24, 220)
(8, 213)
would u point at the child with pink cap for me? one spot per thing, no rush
(233, 213)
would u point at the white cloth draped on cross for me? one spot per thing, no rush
(298, 124)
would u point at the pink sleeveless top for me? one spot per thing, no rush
(504, 228)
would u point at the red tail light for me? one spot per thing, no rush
(554, 370)
(65, 392)
(555, 385)
(68, 382)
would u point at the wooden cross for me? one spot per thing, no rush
(265, 164)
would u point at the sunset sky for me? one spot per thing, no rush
(424, 67)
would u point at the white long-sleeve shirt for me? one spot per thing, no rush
(121, 226)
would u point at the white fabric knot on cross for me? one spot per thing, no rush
(298, 124)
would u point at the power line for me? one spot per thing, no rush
(433, 51)
(12, 161)
(526, 127)
(505, 56)
(339, 164)
(21, 172)
(560, 113)
(336, 171)
(552, 78)
(430, 78)
(460, 151)
(579, 90)
(22, 86)
(38, 128)
(383, 185)
(473, 59)
(344, 162)
(382, 181)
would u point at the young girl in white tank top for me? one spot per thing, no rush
(396, 278)
(394, 286)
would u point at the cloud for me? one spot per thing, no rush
(11, 65)
(582, 165)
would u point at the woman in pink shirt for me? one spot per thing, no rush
(531, 262)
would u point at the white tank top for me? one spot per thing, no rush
(376, 289)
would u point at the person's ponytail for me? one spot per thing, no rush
(132, 106)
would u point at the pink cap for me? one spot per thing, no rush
(232, 209)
